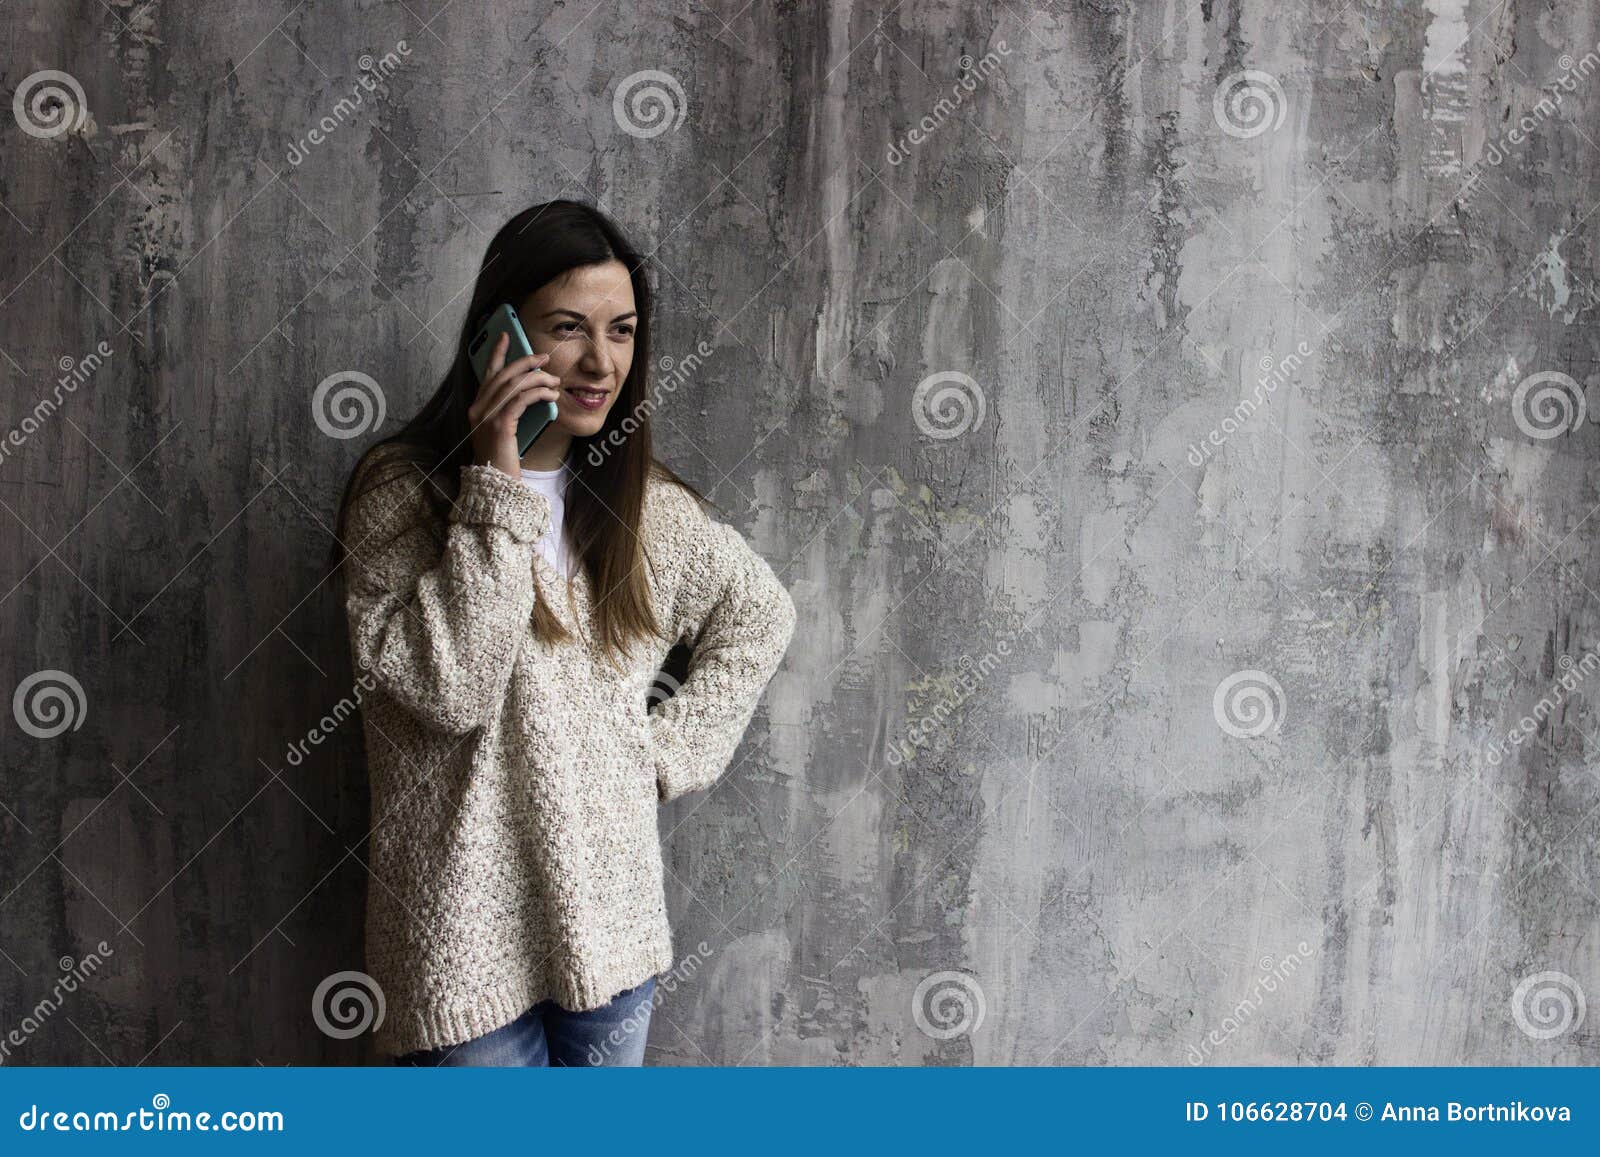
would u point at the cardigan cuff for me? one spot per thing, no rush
(488, 496)
(676, 770)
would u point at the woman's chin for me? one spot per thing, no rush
(584, 425)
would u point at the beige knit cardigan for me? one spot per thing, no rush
(514, 850)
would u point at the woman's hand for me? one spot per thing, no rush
(507, 390)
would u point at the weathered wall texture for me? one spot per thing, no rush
(1155, 677)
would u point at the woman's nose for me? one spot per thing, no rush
(596, 359)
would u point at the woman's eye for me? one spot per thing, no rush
(566, 327)
(624, 331)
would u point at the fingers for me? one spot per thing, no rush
(497, 357)
(514, 369)
(513, 394)
(493, 390)
(531, 389)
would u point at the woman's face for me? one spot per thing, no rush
(585, 321)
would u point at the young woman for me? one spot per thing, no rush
(509, 617)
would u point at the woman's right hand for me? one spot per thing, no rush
(507, 390)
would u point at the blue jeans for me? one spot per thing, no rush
(548, 1034)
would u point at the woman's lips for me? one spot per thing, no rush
(587, 398)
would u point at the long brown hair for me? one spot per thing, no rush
(605, 498)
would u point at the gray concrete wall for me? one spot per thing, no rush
(1152, 692)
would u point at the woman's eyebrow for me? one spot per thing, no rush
(584, 317)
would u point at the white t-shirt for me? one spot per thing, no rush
(552, 484)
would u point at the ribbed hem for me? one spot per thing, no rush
(489, 495)
(441, 1024)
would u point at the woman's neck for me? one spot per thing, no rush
(548, 451)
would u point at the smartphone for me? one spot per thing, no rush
(504, 320)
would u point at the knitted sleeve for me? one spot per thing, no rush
(739, 619)
(439, 631)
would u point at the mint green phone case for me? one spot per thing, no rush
(504, 320)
